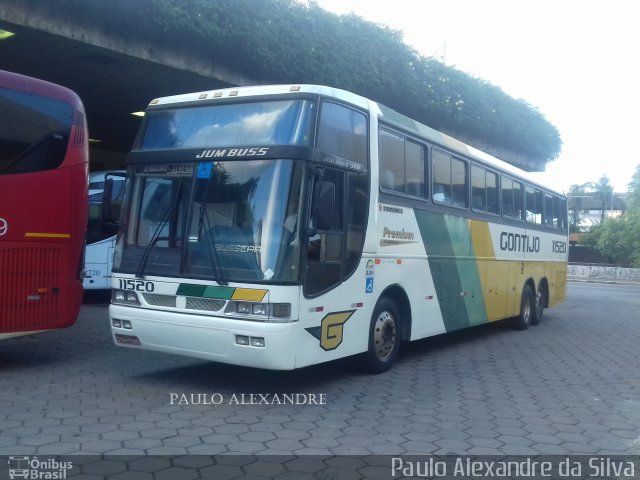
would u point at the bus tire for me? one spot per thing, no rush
(539, 304)
(384, 338)
(527, 309)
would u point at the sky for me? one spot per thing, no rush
(576, 61)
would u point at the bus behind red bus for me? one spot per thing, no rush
(43, 204)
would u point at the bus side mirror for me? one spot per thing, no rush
(324, 203)
(107, 205)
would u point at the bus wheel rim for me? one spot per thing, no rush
(539, 301)
(384, 335)
(526, 311)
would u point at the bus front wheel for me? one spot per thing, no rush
(527, 309)
(384, 338)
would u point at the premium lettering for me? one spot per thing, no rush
(397, 234)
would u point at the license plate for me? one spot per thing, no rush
(127, 339)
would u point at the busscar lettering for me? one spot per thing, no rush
(517, 242)
(385, 208)
(238, 248)
(341, 162)
(234, 152)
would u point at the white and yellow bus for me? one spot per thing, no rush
(284, 226)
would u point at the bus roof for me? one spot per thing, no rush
(389, 116)
(22, 83)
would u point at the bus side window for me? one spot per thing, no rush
(518, 201)
(459, 182)
(507, 197)
(563, 220)
(414, 166)
(534, 205)
(441, 177)
(548, 210)
(492, 193)
(478, 188)
(342, 131)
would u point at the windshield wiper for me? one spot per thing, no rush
(156, 233)
(203, 219)
(211, 245)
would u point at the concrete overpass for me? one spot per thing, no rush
(114, 78)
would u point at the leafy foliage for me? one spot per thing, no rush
(619, 238)
(284, 41)
(576, 197)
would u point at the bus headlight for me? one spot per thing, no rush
(243, 307)
(259, 309)
(124, 297)
(267, 312)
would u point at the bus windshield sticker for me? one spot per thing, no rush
(336, 161)
(205, 169)
(169, 169)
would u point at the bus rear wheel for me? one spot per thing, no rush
(527, 309)
(540, 303)
(384, 338)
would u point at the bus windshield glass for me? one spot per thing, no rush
(281, 122)
(34, 131)
(227, 221)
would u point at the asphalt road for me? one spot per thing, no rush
(568, 386)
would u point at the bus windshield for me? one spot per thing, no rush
(281, 122)
(35, 131)
(227, 221)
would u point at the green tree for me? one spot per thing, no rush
(619, 238)
(633, 196)
(576, 201)
(604, 193)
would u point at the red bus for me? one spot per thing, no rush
(43, 204)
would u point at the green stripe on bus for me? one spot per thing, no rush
(222, 293)
(471, 292)
(205, 291)
(453, 268)
(191, 290)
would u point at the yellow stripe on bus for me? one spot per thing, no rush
(47, 235)
(249, 294)
(501, 280)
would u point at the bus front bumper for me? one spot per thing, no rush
(237, 342)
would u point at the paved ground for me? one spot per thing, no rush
(569, 385)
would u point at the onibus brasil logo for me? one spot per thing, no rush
(32, 468)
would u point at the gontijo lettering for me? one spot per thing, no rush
(516, 242)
